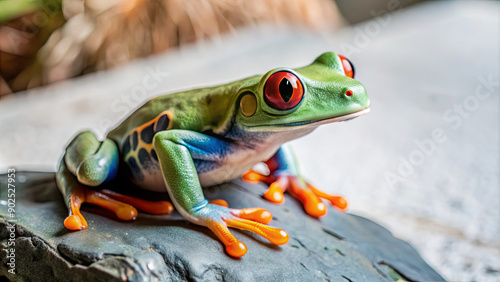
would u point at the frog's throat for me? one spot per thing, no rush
(314, 123)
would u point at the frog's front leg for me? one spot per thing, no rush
(284, 177)
(88, 163)
(177, 152)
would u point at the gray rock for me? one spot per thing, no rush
(338, 247)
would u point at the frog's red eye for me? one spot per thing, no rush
(283, 90)
(348, 66)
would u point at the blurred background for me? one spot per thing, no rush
(425, 163)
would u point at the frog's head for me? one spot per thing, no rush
(284, 99)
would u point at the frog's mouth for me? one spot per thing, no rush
(315, 123)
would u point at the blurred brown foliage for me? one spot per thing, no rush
(62, 39)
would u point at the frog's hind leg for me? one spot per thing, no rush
(75, 194)
(92, 162)
(89, 162)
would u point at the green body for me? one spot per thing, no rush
(183, 141)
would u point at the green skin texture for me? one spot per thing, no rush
(217, 109)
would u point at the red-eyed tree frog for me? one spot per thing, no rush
(182, 142)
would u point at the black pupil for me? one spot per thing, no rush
(286, 90)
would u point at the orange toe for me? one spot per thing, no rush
(274, 194)
(73, 222)
(236, 249)
(256, 214)
(255, 177)
(126, 213)
(156, 207)
(339, 203)
(315, 209)
(219, 202)
(161, 207)
(233, 246)
(312, 204)
(251, 176)
(274, 235)
(278, 236)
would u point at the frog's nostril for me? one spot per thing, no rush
(349, 93)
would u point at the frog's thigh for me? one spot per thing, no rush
(86, 161)
(91, 161)
(177, 152)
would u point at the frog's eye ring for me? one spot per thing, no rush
(283, 90)
(348, 66)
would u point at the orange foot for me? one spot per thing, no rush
(300, 189)
(124, 207)
(218, 218)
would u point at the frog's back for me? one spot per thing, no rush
(147, 112)
(195, 110)
(206, 109)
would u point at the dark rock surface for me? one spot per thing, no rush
(338, 247)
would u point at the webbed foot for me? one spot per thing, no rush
(156, 207)
(218, 218)
(124, 207)
(299, 188)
